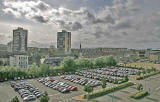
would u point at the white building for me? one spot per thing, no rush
(19, 61)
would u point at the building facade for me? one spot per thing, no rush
(98, 52)
(64, 41)
(20, 37)
(9, 46)
(3, 47)
(19, 61)
(54, 61)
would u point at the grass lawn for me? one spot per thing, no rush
(144, 65)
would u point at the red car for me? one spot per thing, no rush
(52, 80)
(73, 88)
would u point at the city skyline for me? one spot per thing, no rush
(117, 23)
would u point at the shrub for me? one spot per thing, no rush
(15, 99)
(44, 97)
(140, 87)
(140, 94)
(125, 79)
(88, 88)
(108, 90)
(103, 83)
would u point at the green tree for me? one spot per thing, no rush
(44, 97)
(153, 69)
(34, 70)
(103, 83)
(15, 99)
(148, 70)
(115, 81)
(76, 55)
(99, 62)
(83, 63)
(68, 65)
(125, 78)
(1, 63)
(144, 72)
(138, 73)
(140, 87)
(88, 88)
(44, 69)
(110, 61)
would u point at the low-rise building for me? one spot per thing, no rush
(52, 60)
(98, 52)
(4, 60)
(19, 61)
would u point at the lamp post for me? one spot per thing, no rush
(113, 95)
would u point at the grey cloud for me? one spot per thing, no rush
(120, 22)
(125, 33)
(42, 6)
(3, 38)
(38, 44)
(124, 24)
(96, 20)
(76, 26)
(72, 26)
(40, 19)
(11, 0)
(12, 12)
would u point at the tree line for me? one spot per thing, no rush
(69, 64)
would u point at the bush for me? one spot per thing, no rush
(140, 94)
(147, 75)
(140, 87)
(15, 99)
(44, 97)
(103, 83)
(125, 79)
(108, 90)
(88, 88)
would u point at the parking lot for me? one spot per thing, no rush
(78, 80)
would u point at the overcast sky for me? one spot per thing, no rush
(94, 23)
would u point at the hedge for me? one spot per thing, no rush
(108, 90)
(140, 94)
(147, 75)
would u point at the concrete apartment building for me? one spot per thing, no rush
(64, 41)
(20, 37)
(19, 61)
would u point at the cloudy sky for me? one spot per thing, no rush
(94, 23)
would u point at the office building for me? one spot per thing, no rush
(64, 41)
(19, 43)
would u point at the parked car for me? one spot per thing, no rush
(29, 98)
